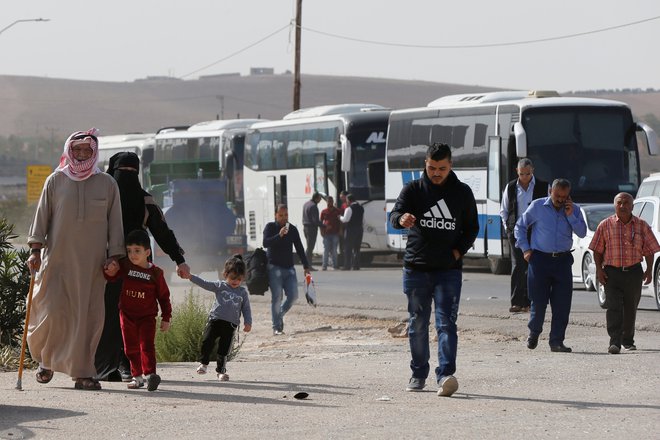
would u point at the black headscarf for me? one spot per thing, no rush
(130, 190)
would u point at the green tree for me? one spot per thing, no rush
(14, 286)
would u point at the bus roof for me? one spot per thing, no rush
(208, 128)
(223, 124)
(373, 115)
(124, 140)
(521, 98)
(334, 109)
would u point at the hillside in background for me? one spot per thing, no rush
(31, 104)
(52, 108)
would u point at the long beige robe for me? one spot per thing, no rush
(79, 225)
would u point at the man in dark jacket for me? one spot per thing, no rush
(517, 196)
(279, 237)
(353, 220)
(311, 223)
(139, 211)
(441, 215)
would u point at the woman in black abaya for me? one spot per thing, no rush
(139, 211)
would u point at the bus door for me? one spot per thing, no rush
(492, 229)
(278, 195)
(321, 174)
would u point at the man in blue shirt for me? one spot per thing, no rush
(553, 220)
(279, 236)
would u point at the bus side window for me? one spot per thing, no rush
(265, 155)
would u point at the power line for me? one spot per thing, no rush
(237, 52)
(478, 46)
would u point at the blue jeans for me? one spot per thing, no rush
(330, 243)
(443, 288)
(281, 278)
(549, 280)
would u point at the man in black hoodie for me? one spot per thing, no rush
(441, 215)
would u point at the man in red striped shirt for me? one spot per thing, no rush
(619, 244)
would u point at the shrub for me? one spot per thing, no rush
(14, 286)
(183, 341)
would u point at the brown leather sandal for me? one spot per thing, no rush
(44, 375)
(87, 383)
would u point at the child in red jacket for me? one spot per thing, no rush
(143, 289)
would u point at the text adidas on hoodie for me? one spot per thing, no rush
(438, 217)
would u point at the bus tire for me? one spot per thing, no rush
(366, 259)
(500, 266)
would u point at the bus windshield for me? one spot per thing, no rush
(594, 148)
(367, 154)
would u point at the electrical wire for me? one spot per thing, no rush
(292, 25)
(479, 46)
(237, 52)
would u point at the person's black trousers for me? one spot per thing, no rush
(352, 243)
(623, 291)
(311, 233)
(519, 295)
(223, 331)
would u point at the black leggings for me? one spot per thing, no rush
(224, 330)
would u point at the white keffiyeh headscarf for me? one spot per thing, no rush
(80, 169)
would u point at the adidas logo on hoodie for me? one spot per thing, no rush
(438, 217)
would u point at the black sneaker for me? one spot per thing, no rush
(416, 384)
(153, 380)
(614, 349)
(630, 347)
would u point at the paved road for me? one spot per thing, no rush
(355, 374)
(484, 294)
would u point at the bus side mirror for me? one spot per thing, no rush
(651, 138)
(345, 153)
(521, 139)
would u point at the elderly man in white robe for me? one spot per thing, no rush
(76, 232)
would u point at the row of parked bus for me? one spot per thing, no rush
(248, 166)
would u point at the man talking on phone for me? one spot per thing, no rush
(279, 238)
(552, 221)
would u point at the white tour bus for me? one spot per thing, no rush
(325, 149)
(210, 149)
(141, 144)
(591, 142)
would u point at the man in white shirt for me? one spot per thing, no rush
(518, 195)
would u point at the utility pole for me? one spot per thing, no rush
(296, 67)
(222, 105)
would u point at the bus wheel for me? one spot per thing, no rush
(500, 266)
(366, 259)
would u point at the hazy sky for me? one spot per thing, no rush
(123, 40)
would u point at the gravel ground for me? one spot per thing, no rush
(355, 372)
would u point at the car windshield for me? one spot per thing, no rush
(596, 215)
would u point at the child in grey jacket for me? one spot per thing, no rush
(231, 301)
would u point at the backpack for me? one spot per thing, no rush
(256, 278)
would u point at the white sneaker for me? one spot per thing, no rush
(223, 377)
(137, 382)
(448, 386)
(202, 369)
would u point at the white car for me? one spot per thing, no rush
(583, 258)
(648, 209)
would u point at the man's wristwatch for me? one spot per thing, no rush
(35, 250)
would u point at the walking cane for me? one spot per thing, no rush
(19, 385)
